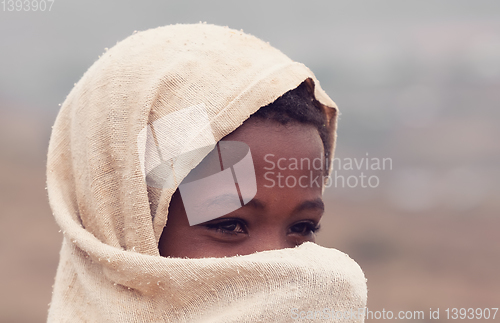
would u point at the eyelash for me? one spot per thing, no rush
(240, 227)
(310, 227)
(218, 226)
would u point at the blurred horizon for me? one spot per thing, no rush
(416, 82)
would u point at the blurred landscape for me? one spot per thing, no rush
(416, 82)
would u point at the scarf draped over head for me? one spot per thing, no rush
(200, 82)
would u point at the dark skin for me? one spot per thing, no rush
(276, 218)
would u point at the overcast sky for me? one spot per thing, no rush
(344, 42)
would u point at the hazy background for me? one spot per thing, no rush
(416, 81)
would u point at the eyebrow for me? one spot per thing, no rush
(306, 205)
(223, 199)
(311, 205)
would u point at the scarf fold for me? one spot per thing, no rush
(110, 269)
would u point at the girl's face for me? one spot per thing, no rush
(284, 213)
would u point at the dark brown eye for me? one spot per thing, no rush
(228, 226)
(304, 228)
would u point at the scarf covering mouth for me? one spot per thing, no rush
(110, 268)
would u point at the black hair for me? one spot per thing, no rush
(299, 106)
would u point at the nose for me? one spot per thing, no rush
(270, 240)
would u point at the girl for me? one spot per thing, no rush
(160, 174)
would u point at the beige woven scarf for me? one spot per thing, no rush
(110, 269)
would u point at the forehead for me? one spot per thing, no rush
(267, 140)
(293, 140)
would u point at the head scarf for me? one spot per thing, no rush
(110, 269)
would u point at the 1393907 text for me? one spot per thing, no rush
(27, 5)
(471, 313)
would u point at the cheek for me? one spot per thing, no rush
(181, 242)
(174, 239)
